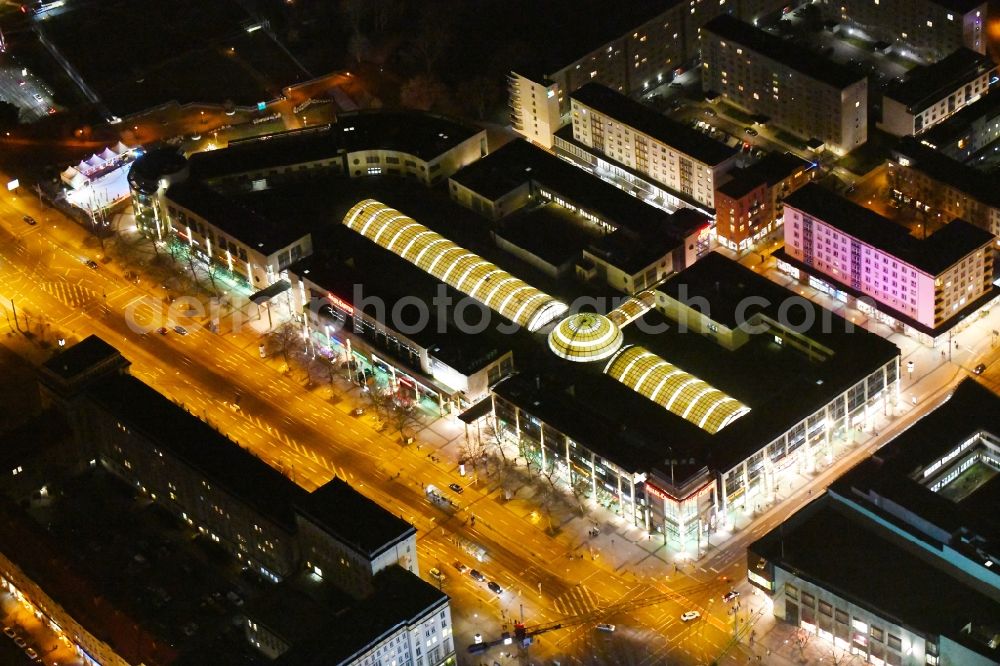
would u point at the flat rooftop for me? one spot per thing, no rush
(519, 162)
(345, 512)
(400, 599)
(89, 353)
(647, 120)
(423, 135)
(550, 232)
(821, 544)
(780, 384)
(933, 255)
(782, 52)
(238, 218)
(980, 186)
(958, 124)
(927, 84)
(772, 169)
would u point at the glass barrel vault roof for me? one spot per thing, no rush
(454, 265)
(674, 389)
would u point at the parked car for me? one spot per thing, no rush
(750, 131)
(690, 615)
(476, 575)
(436, 574)
(610, 628)
(31, 654)
(9, 632)
(20, 642)
(979, 369)
(358, 411)
(30, 220)
(494, 587)
(180, 330)
(91, 264)
(162, 330)
(459, 567)
(730, 595)
(457, 488)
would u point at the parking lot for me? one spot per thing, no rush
(20, 87)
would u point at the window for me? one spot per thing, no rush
(894, 642)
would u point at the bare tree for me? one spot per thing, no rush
(423, 92)
(286, 339)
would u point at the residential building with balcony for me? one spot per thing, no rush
(930, 94)
(931, 181)
(963, 135)
(925, 286)
(749, 205)
(795, 89)
(623, 134)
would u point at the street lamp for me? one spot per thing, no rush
(909, 370)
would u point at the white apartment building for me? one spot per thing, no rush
(534, 108)
(796, 89)
(928, 95)
(642, 140)
(922, 283)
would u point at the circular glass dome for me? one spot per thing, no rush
(584, 337)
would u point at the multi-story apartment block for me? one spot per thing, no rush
(748, 206)
(930, 94)
(934, 28)
(968, 131)
(639, 46)
(357, 557)
(932, 181)
(896, 564)
(795, 89)
(923, 283)
(640, 139)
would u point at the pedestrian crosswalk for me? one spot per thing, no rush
(67, 293)
(578, 600)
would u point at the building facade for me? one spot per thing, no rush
(643, 140)
(795, 89)
(929, 95)
(933, 28)
(749, 206)
(927, 281)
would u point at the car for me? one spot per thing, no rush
(730, 595)
(20, 642)
(29, 220)
(690, 615)
(710, 112)
(52, 111)
(676, 84)
(31, 653)
(979, 369)
(459, 567)
(610, 628)
(91, 264)
(9, 632)
(21, 82)
(457, 488)
(37, 97)
(162, 330)
(476, 575)
(750, 131)
(180, 330)
(494, 587)
(436, 574)
(477, 639)
(358, 411)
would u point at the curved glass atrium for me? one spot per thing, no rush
(585, 336)
(454, 265)
(674, 389)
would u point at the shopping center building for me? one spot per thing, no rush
(854, 567)
(693, 413)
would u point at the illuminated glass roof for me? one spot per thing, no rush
(674, 389)
(585, 336)
(455, 266)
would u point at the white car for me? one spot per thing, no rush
(690, 615)
(610, 628)
(436, 573)
(477, 639)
